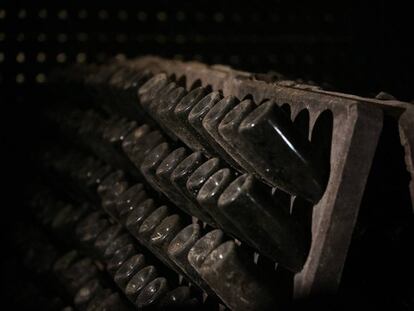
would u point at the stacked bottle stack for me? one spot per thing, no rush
(105, 269)
(218, 191)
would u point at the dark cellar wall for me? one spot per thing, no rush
(358, 47)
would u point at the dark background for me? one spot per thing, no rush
(359, 47)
